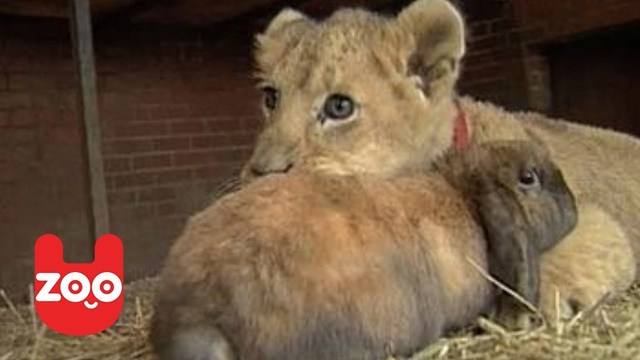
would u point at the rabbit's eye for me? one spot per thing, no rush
(529, 179)
(270, 97)
(337, 107)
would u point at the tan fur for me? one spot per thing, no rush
(348, 53)
(401, 72)
(608, 252)
(311, 266)
(351, 279)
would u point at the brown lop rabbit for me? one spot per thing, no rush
(310, 265)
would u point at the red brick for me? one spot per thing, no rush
(482, 86)
(128, 81)
(499, 26)
(142, 211)
(12, 99)
(478, 29)
(122, 181)
(17, 55)
(480, 59)
(192, 158)
(173, 176)
(156, 194)
(485, 72)
(33, 81)
(119, 164)
(253, 123)
(120, 113)
(5, 118)
(242, 138)
(120, 198)
(30, 117)
(159, 112)
(574, 16)
(224, 125)
(166, 209)
(131, 146)
(487, 42)
(237, 154)
(217, 156)
(25, 118)
(187, 127)
(153, 99)
(152, 161)
(137, 129)
(115, 107)
(4, 80)
(20, 82)
(112, 99)
(110, 183)
(215, 172)
(235, 107)
(210, 141)
(171, 143)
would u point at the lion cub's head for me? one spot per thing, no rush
(357, 92)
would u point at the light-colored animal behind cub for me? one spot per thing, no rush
(359, 93)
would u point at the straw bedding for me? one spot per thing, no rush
(608, 331)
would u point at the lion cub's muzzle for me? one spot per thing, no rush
(255, 170)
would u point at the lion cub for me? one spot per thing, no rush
(312, 265)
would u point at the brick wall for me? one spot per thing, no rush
(42, 188)
(178, 114)
(558, 20)
(493, 68)
(506, 61)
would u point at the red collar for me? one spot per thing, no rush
(460, 129)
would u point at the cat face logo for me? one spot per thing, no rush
(79, 298)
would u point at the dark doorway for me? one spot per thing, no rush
(596, 79)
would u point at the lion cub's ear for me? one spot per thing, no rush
(437, 30)
(281, 33)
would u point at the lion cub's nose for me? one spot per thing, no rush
(255, 170)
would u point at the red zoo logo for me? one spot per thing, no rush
(79, 298)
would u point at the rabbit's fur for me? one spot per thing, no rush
(310, 265)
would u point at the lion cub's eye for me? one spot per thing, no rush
(529, 179)
(271, 97)
(338, 107)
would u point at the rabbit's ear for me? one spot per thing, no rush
(520, 271)
(513, 255)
